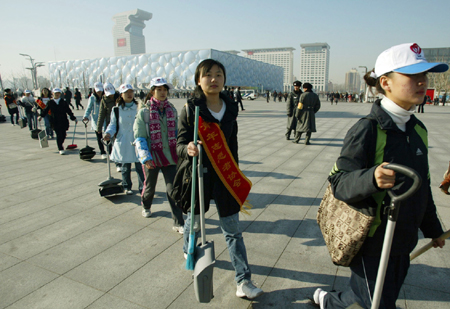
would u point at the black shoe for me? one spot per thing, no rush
(307, 143)
(288, 137)
(295, 141)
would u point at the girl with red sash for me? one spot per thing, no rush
(218, 133)
(42, 102)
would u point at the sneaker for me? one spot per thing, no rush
(128, 192)
(179, 229)
(119, 169)
(318, 296)
(104, 156)
(248, 289)
(62, 152)
(147, 213)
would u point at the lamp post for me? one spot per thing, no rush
(31, 69)
(365, 85)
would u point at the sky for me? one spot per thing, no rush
(357, 31)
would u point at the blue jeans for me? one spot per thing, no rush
(126, 175)
(48, 127)
(235, 244)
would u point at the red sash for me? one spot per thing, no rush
(43, 106)
(222, 160)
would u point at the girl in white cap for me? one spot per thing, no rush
(390, 133)
(157, 146)
(59, 110)
(92, 112)
(121, 126)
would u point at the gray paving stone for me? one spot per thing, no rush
(63, 246)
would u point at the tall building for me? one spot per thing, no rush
(352, 81)
(127, 32)
(283, 57)
(315, 65)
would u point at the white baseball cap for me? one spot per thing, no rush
(98, 87)
(125, 87)
(109, 89)
(56, 90)
(27, 91)
(160, 81)
(406, 59)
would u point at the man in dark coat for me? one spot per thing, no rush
(291, 106)
(306, 119)
(68, 97)
(78, 98)
(238, 98)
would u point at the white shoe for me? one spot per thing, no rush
(119, 169)
(147, 213)
(318, 296)
(248, 289)
(104, 157)
(62, 152)
(179, 229)
(128, 192)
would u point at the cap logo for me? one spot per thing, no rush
(416, 49)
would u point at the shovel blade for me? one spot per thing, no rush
(203, 272)
(110, 190)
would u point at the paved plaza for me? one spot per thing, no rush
(63, 246)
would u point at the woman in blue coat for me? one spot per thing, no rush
(121, 126)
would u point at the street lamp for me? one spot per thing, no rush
(32, 68)
(365, 84)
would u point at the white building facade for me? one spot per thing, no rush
(315, 65)
(177, 67)
(127, 33)
(283, 57)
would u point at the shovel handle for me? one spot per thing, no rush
(106, 143)
(85, 122)
(409, 172)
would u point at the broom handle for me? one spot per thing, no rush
(194, 170)
(428, 246)
(201, 194)
(73, 136)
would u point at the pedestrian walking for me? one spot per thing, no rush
(359, 178)
(291, 106)
(108, 101)
(11, 104)
(42, 103)
(155, 132)
(59, 110)
(30, 106)
(238, 97)
(68, 97)
(121, 127)
(217, 117)
(308, 106)
(267, 96)
(78, 98)
(92, 114)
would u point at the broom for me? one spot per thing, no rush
(425, 248)
(191, 247)
(73, 146)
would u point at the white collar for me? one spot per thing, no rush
(398, 114)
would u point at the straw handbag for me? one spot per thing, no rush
(344, 229)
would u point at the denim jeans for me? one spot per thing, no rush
(126, 175)
(235, 244)
(48, 127)
(32, 121)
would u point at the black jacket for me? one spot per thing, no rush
(353, 181)
(213, 186)
(59, 114)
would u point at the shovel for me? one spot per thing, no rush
(43, 140)
(73, 146)
(393, 211)
(204, 254)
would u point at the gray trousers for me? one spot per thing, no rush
(148, 193)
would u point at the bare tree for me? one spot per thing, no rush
(175, 81)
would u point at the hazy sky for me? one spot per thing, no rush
(357, 31)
